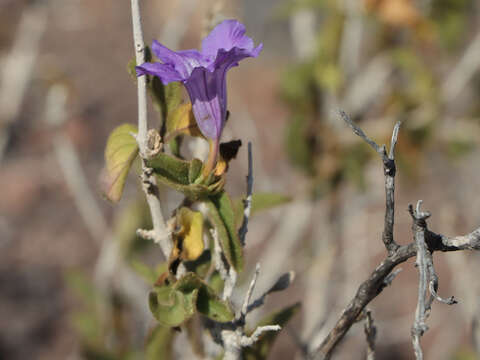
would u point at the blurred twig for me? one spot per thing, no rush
(302, 28)
(109, 270)
(462, 72)
(70, 165)
(18, 67)
(351, 42)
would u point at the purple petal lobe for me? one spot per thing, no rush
(165, 72)
(226, 35)
(182, 61)
(227, 59)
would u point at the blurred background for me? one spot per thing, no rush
(71, 269)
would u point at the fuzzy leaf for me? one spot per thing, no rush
(173, 169)
(262, 347)
(120, 152)
(207, 301)
(222, 215)
(171, 307)
(177, 174)
(195, 170)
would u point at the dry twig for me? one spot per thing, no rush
(381, 276)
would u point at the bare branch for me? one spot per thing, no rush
(359, 132)
(227, 273)
(250, 340)
(149, 185)
(419, 326)
(248, 296)
(433, 286)
(389, 170)
(376, 282)
(232, 335)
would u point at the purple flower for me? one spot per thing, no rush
(204, 72)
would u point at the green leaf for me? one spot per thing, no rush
(177, 173)
(159, 343)
(195, 170)
(171, 307)
(175, 145)
(207, 301)
(222, 215)
(200, 266)
(262, 347)
(174, 304)
(173, 169)
(216, 282)
(120, 152)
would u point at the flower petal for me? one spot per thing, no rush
(182, 61)
(207, 92)
(227, 59)
(165, 72)
(226, 35)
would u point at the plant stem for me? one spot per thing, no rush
(212, 157)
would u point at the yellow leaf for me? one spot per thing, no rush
(191, 231)
(182, 121)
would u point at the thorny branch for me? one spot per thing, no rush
(159, 233)
(397, 254)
